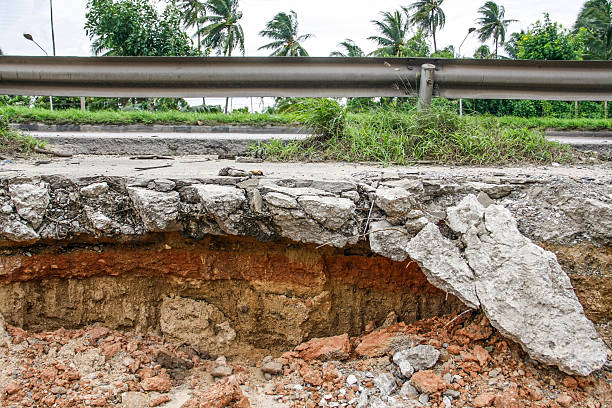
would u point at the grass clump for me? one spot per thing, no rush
(21, 114)
(558, 123)
(440, 136)
(12, 142)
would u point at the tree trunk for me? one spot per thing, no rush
(495, 47)
(229, 54)
(433, 31)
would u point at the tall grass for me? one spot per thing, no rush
(440, 136)
(20, 114)
(12, 141)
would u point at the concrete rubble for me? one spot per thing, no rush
(484, 256)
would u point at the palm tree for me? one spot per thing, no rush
(492, 23)
(222, 33)
(596, 18)
(351, 50)
(283, 30)
(393, 29)
(428, 15)
(483, 52)
(193, 11)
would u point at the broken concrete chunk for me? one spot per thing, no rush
(468, 213)
(443, 265)
(17, 231)
(94, 190)
(157, 210)
(394, 201)
(388, 240)
(331, 212)
(223, 203)
(100, 221)
(162, 185)
(525, 293)
(281, 200)
(421, 357)
(30, 201)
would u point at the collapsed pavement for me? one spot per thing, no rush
(461, 233)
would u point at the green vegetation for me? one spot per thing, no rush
(550, 41)
(289, 117)
(17, 114)
(596, 19)
(12, 141)
(133, 28)
(283, 31)
(408, 137)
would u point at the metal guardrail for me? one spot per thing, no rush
(297, 76)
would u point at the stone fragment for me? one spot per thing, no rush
(331, 212)
(394, 201)
(159, 383)
(272, 367)
(406, 369)
(427, 381)
(415, 225)
(223, 203)
(484, 400)
(222, 371)
(17, 231)
(564, 400)
(311, 375)
(158, 211)
(484, 199)
(524, 292)
(351, 379)
(327, 348)
(421, 357)
(5, 339)
(222, 394)
(281, 200)
(443, 265)
(408, 391)
(94, 190)
(30, 201)
(100, 221)
(162, 185)
(388, 240)
(385, 383)
(133, 399)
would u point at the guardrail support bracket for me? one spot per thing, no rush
(426, 87)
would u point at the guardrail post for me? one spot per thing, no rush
(426, 87)
(82, 103)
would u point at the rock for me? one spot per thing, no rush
(427, 381)
(424, 399)
(222, 371)
(133, 399)
(443, 265)
(30, 201)
(351, 195)
(159, 383)
(5, 338)
(223, 203)
(222, 394)
(281, 200)
(451, 393)
(311, 375)
(569, 382)
(162, 185)
(388, 240)
(12, 387)
(484, 400)
(94, 190)
(17, 231)
(158, 211)
(408, 391)
(481, 355)
(421, 357)
(58, 390)
(394, 201)
(351, 379)
(524, 292)
(232, 172)
(170, 360)
(327, 348)
(564, 400)
(406, 369)
(447, 401)
(509, 398)
(331, 212)
(380, 342)
(484, 199)
(100, 221)
(385, 383)
(414, 226)
(272, 367)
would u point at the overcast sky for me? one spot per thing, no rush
(331, 21)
